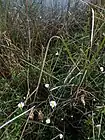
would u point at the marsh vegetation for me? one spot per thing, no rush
(52, 71)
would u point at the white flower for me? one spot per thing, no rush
(60, 136)
(57, 53)
(48, 121)
(72, 116)
(47, 85)
(53, 104)
(94, 99)
(21, 105)
(101, 69)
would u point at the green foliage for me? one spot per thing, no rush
(72, 69)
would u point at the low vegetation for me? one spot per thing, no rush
(52, 74)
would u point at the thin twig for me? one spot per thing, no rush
(100, 126)
(40, 69)
(92, 29)
(40, 77)
(8, 122)
(25, 125)
(93, 126)
(29, 47)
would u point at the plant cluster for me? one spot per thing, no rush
(52, 74)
